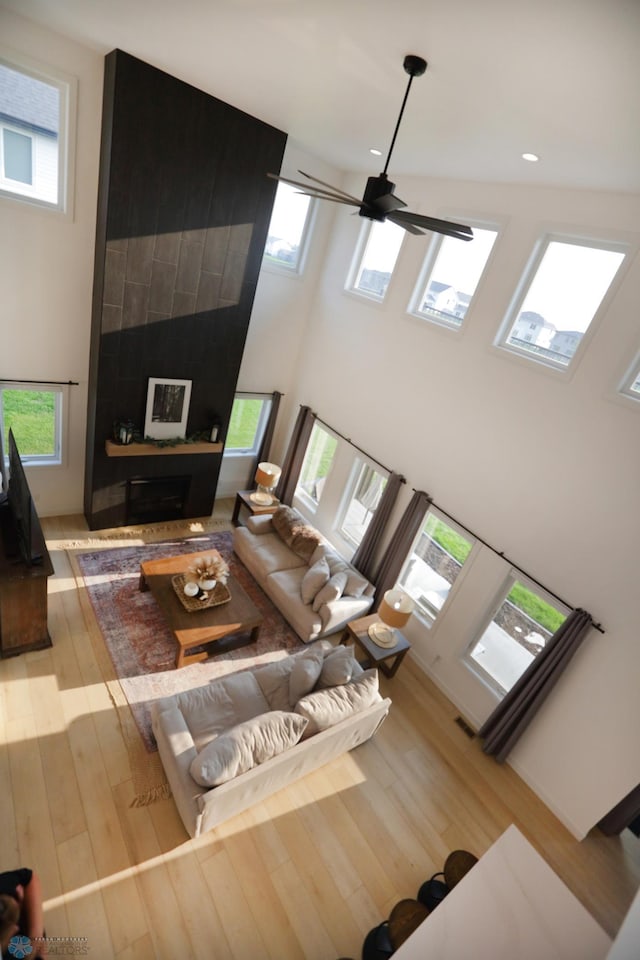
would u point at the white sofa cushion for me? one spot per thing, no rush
(332, 590)
(337, 668)
(324, 708)
(314, 580)
(305, 673)
(245, 746)
(221, 704)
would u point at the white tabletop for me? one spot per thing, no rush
(509, 906)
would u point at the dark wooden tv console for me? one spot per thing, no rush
(23, 595)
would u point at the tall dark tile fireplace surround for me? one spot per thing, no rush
(183, 211)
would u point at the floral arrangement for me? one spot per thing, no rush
(208, 568)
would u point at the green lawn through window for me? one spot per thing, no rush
(31, 416)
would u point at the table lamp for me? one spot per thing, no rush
(394, 612)
(266, 478)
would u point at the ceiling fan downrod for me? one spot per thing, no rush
(415, 66)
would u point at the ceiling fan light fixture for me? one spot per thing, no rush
(531, 157)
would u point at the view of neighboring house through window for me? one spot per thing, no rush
(289, 228)
(566, 285)
(316, 465)
(35, 416)
(437, 557)
(361, 502)
(376, 260)
(33, 111)
(247, 423)
(450, 277)
(520, 627)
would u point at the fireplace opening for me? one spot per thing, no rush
(151, 499)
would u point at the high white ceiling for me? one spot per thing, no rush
(559, 78)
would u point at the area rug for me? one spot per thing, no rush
(136, 650)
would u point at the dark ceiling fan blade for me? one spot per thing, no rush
(446, 227)
(324, 184)
(409, 227)
(388, 203)
(312, 191)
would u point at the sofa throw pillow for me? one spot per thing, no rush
(305, 541)
(304, 675)
(332, 590)
(337, 668)
(273, 680)
(283, 521)
(356, 584)
(324, 708)
(313, 580)
(246, 746)
(211, 709)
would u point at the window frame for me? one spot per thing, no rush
(513, 576)
(308, 504)
(67, 87)
(359, 254)
(360, 464)
(267, 401)
(429, 264)
(59, 391)
(527, 278)
(430, 616)
(297, 268)
(631, 376)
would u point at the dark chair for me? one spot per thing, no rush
(433, 891)
(377, 945)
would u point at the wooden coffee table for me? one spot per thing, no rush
(212, 624)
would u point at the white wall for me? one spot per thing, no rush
(46, 268)
(484, 433)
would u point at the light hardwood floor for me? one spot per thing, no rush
(302, 876)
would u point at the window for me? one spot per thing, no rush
(630, 386)
(373, 271)
(361, 502)
(289, 228)
(450, 276)
(563, 291)
(35, 416)
(525, 619)
(34, 131)
(316, 466)
(432, 568)
(247, 424)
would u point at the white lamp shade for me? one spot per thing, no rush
(267, 474)
(396, 608)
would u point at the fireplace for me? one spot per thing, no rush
(150, 499)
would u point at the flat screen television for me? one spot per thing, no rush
(20, 526)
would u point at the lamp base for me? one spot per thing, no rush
(262, 499)
(382, 635)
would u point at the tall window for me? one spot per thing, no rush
(361, 502)
(438, 555)
(372, 271)
(630, 386)
(317, 465)
(247, 424)
(35, 110)
(450, 277)
(35, 416)
(289, 228)
(563, 291)
(523, 622)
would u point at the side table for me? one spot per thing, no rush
(243, 499)
(358, 632)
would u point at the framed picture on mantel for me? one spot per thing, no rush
(167, 408)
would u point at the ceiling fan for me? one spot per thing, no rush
(379, 201)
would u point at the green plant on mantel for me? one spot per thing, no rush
(201, 437)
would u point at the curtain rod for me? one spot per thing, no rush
(596, 626)
(355, 446)
(258, 393)
(49, 383)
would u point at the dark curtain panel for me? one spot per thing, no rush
(267, 438)
(514, 713)
(400, 544)
(295, 454)
(622, 815)
(364, 556)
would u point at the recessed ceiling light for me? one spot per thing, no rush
(376, 153)
(531, 157)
